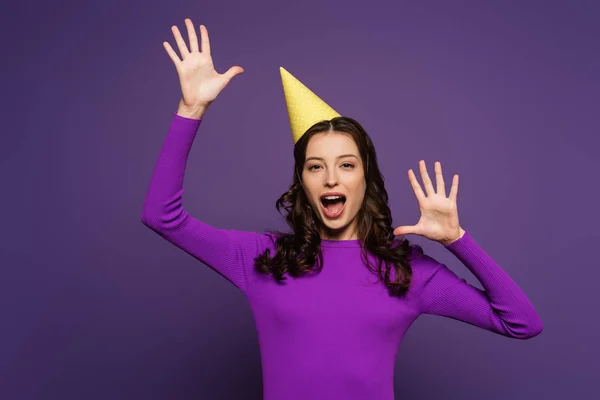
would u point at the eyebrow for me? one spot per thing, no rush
(337, 158)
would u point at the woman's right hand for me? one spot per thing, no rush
(200, 83)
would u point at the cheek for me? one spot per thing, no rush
(310, 196)
(359, 188)
(359, 199)
(360, 195)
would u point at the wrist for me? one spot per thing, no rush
(460, 235)
(194, 112)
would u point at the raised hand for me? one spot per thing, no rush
(439, 214)
(200, 83)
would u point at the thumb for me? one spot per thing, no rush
(403, 230)
(232, 72)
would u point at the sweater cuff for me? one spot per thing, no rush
(460, 244)
(186, 119)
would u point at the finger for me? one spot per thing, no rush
(415, 185)
(405, 230)
(172, 54)
(454, 189)
(205, 40)
(192, 35)
(233, 71)
(180, 42)
(425, 177)
(439, 178)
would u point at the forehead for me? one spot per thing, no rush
(331, 144)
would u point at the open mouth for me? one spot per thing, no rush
(333, 205)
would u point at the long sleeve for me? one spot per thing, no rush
(502, 307)
(229, 252)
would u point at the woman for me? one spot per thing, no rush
(332, 328)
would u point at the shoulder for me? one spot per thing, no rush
(416, 254)
(269, 240)
(424, 267)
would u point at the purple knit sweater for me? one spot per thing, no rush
(332, 335)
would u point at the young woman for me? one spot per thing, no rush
(333, 299)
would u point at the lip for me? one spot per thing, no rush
(333, 194)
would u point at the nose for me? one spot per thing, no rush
(331, 179)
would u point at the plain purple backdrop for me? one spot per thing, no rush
(94, 305)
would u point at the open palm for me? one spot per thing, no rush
(439, 214)
(200, 82)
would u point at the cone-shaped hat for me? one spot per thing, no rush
(304, 107)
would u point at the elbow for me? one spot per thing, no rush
(144, 218)
(152, 217)
(533, 329)
(158, 221)
(535, 325)
(147, 219)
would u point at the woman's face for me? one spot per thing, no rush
(333, 166)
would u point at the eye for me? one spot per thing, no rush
(312, 167)
(348, 164)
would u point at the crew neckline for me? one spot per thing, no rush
(340, 243)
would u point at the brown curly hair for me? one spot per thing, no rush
(299, 252)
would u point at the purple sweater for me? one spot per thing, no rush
(333, 335)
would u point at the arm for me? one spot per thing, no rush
(228, 252)
(502, 307)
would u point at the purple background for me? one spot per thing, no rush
(95, 305)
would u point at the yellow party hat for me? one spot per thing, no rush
(304, 107)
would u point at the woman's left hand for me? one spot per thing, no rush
(439, 214)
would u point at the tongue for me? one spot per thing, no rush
(334, 206)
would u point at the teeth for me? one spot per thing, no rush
(333, 197)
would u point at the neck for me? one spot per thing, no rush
(339, 234)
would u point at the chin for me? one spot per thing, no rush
(337, 226)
